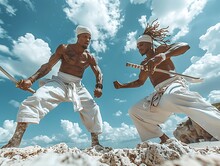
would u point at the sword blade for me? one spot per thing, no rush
(189, 78)
(8, 75)
(13, 79)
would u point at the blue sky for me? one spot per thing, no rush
(30, 31)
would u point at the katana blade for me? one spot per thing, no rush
(188, 78)
(13, 79)
(8, 75)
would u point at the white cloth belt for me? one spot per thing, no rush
(155, 97)
(68, 82)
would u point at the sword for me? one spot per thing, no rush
(192, 79)
(14, 80)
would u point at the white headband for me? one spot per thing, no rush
(144, 38)
(82, 29)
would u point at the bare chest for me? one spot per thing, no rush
(75, 59)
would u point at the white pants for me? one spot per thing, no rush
(177, 98)
(50, 95)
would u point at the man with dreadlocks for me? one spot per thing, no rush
(171, 92)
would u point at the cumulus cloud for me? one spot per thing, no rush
(29, 4)
(74, 132)
(3, 33)
(7, 130)
(177, 16)
(102, 17)
(9, 9)
(123, 133)
(130, 41)
(14, 103)
(138, 1)
(4, 49)
(214, 96)
(143, 21)
(43, 139)
(170, 125)
(28, 54)
(120, 100)
(133, 75)
(211, 40)
(118, 113)
(207, 66)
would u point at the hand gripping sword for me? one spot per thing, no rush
(188, 78)
(14, 80)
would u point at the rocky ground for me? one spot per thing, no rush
(172, 153)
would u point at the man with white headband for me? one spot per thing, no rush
(171, 94)
(65, 87)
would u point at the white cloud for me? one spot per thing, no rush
(29, 54)
(29, 3)
(118, 113)
(14, 103)
(131, 41)
(120, 100)
(177, 16)
(170, 125)
(214, 96)
(207, 66)
(4, 49)
(9, 9)
(138, 1)
(43, 139)
(211, 40)
(74, 132)
(7, 130)
(3, 33)
(102, 17)
(122, 133)
(133, 75)
(143, 21)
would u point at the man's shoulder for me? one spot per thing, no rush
(88, 54)
(62, 47)
(162, 48)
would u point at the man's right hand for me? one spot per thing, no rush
(24, 84)
(117, 85)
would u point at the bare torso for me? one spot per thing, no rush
(168, 65)
(73, 62)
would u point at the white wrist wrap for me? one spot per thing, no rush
(163, 56)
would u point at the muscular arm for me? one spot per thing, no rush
(176, 49)
(164, 52)
(46, 68)
(139, 82)
(96, 69)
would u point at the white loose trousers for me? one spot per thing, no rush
(61, 88)
(177, 98)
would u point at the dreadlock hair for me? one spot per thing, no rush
(157, 34)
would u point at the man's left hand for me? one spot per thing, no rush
(153, 63)
(98, 92)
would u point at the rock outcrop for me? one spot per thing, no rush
(190, 132)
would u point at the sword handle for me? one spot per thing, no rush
(29, 89)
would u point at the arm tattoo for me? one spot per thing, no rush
(45, 69)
